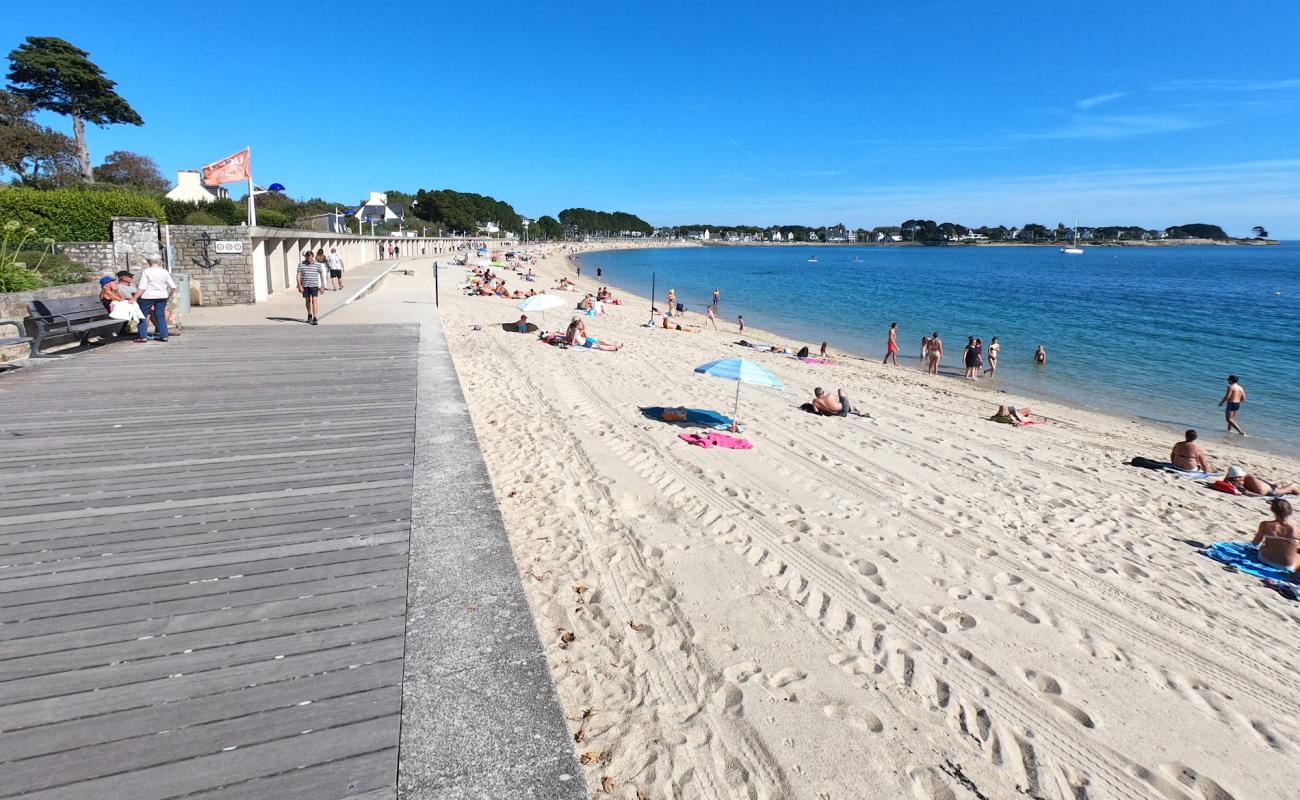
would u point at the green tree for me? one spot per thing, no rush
(547, 227)
(55, 75)
(131, 169)
(36, 155)
(1259, 232)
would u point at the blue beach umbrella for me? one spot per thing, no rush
(740, 371)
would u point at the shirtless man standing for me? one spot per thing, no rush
(1187, 455)
(1233, 398)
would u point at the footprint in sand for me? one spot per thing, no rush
(1051, 690)
(739, 673)
(856, 718)
(786, 677)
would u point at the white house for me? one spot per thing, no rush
(376, 209)
(189, 188)
(706, 235)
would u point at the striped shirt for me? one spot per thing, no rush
(312, 275)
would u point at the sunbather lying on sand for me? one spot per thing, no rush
(1278, 539)
(824, 404)
(1254, 485)
(1011, 415)
(676, 326)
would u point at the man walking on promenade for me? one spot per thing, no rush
(311, 282)
(152, 292)
(1232, 400)
(336, 268)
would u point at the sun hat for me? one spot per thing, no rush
(1236, 472)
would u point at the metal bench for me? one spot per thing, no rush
(67, 317)
(21, 338)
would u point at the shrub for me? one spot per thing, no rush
(56, 268)
(75, 215)
(14, 278)
(201, 217)
(224, 210)
(270, 218)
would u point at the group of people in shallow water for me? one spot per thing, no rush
(973, 356)
(1277, 539)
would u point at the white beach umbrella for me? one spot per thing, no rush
(540, 302)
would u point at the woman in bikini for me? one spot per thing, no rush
(934, 354)
(994, 348)
(1277, 538)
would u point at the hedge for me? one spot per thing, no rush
(75, 215)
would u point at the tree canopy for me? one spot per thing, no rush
(1196, 230)
(55, 75)
(131, 169)
(37, 156)
(586, 222)
(462, 212)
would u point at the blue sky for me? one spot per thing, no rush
(727, 112)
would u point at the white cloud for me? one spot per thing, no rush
(1096, 100)
(1117, 126)
(1223, 85)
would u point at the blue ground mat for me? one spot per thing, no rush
(694, 416)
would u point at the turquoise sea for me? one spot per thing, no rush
(1151, 332)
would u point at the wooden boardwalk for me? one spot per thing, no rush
(203, 566)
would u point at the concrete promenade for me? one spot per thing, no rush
(265, 560)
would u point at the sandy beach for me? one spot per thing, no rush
(925, 604)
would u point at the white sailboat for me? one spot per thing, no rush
(1074, 249)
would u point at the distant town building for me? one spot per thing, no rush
(189, 188)
(328, 223)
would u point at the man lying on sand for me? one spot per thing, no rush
(1277, 538)
(1187, 455)
(1256, 486)
(828, 406)
(668, 326)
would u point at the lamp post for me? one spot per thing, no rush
(253, 192)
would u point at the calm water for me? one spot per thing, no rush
(1147, 331)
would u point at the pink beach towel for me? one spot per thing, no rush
(815, 360)
(715, 440)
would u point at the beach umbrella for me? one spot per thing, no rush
(740, 371)
(540, 302)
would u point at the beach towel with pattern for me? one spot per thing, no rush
(1245, 558)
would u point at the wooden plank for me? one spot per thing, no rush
(229, 622)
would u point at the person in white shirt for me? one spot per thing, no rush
(154, 287)
(336, 268)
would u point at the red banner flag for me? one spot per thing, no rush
(229, 169)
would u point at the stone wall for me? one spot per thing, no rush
(216, 279)
(97, 256)
(134, 240)
(13, 305)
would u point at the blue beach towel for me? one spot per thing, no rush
(694, 416)
(1245, 558)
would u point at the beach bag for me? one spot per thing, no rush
(1146, 463)
(1225, 487)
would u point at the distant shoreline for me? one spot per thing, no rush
(1135, 243)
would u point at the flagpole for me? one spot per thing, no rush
(252, 200)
